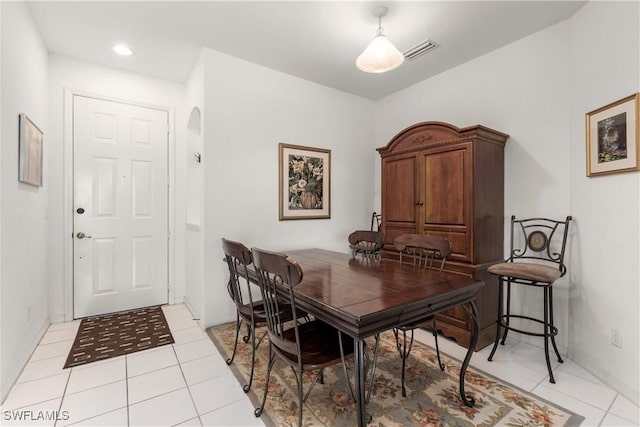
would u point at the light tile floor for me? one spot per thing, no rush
(189, 384)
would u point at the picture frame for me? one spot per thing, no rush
(613, 137)
(304, 182)
(30, 152)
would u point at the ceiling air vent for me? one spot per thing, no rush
(419, 49)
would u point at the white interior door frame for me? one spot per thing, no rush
(68, 191)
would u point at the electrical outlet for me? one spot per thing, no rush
(616, 338)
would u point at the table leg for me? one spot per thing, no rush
(359, 362)
(470, 309)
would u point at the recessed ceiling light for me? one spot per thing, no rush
(122, 49)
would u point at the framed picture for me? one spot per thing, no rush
(612, 137)
(305, 175)
(30, 168)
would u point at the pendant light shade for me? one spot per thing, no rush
(381, 55)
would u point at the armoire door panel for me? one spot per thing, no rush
(391, 231)
(445, 187)
(400, 190)
(459, 239)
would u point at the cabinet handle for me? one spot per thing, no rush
(419, 203)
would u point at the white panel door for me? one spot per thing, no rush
(120, 206)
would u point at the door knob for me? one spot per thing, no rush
(81, 235)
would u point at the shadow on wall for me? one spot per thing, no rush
(195, 172)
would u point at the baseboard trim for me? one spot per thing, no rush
(194, 313)
(58, 319)
(9, 382)
(622, 388)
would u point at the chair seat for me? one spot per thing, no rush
(260, 314)
(526, 271)
(319, 344)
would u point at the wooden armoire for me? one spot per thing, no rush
(441, 180)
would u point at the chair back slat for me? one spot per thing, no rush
(366, 243)
(277, 276)
(423, 248)
(238, 258)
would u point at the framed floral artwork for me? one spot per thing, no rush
(612, 137)
(30, 152)
(305, 182)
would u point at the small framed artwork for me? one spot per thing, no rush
(305, 182)
(30, 168)
(612, 137)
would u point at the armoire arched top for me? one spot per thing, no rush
(431, 134)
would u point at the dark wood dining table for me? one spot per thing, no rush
(362, 297)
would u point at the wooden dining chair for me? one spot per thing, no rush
(308, 346)
(252, 313)
(366, 243)
(423, 250)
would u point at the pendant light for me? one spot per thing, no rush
(381, 55)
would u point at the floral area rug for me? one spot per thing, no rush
(432, 395)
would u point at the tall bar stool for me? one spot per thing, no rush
(536, 258)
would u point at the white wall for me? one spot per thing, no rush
(194, 242)
(68, 73)
(24, 223)
(538, 90)
(605, 67)
(249, 109)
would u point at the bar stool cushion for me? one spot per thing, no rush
(526, 271)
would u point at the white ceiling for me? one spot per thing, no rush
(317, 41)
